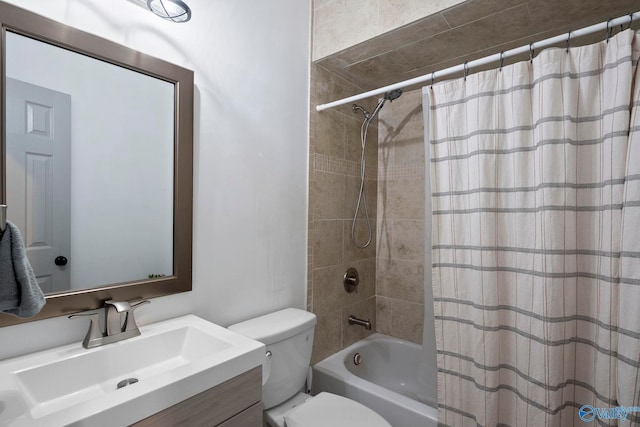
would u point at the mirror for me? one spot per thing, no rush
(94, 196)
(96, 164)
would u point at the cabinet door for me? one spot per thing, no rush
(214, 406)
(250, 417)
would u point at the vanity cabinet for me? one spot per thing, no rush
(234, 403)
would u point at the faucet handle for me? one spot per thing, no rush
(139, 303)
(120, 306)
(130, 321)
(94, 336)
(112, 314)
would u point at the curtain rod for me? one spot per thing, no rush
(606, 25)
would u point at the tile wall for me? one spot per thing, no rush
(339, 24)
(391, 290)
(418, 40)
(334, 183)
(400, 266)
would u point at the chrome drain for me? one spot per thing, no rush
(126, 382)
(357, 359)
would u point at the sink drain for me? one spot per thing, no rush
(126, 382)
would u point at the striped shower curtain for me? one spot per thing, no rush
(535, 181)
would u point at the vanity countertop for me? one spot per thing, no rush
(169, 362)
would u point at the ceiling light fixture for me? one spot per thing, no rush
(171, 10)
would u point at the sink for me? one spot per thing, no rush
(123, 382)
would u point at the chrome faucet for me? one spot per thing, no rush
(353, 320)
(119, 323)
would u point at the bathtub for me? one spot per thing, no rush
(385, 380)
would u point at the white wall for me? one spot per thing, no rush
(251, 63)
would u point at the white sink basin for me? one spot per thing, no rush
(171, 361)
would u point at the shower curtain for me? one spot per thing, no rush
(535, 182)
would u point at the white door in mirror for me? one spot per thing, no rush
(38, 174)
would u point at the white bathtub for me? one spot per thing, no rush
(385, 380)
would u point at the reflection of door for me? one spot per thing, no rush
(38, 177)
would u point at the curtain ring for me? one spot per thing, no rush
(531, 52)
(568, 41)
(466, 70)
(501, 59)
(630, 20)
(432, 78)
(609, 30)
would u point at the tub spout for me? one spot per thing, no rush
(353, 320)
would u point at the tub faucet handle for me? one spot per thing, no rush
(351, 280)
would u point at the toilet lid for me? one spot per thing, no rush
(328, 409)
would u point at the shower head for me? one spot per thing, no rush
(392, 94)
(388, 96)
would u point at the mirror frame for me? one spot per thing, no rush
(26, 23)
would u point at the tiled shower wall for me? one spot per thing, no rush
(379, 42)
(334, 183)
(391, 290)
(339, 24)
(401, 195)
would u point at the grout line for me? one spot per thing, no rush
(401, 172)
(445, 19)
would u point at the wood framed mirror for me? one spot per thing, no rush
(120, 195)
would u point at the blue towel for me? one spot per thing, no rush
(20, 293)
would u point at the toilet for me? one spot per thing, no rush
(288, 336)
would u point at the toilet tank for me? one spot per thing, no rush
(288, 335)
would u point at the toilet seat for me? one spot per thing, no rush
(326, 409)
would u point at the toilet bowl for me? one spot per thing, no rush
(288, 336)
